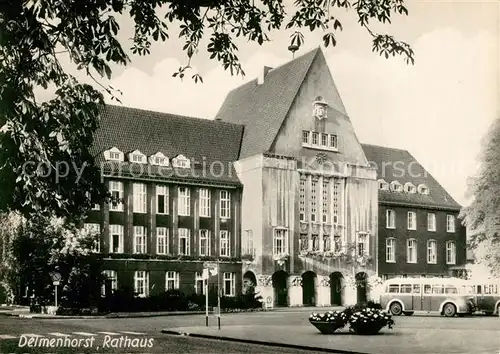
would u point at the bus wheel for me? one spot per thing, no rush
(408, 313)
(396, 309)
(449, 310)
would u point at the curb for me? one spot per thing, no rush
(111, 316)
(252, 341)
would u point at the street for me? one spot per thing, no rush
(143, 335)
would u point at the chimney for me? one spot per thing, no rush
(262, 75)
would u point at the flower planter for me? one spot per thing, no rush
(326, 327)
(369, 329)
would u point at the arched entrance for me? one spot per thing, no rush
(336, 288)
(249, 281)
(280, 288)
(361, 287)
(309, 280)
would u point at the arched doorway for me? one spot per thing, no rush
(336, 288)
(280, 287)
(249, 281)
(361, 287)
(309, 280)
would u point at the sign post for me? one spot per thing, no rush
(218, 294)
(56, 278)
(208, 268)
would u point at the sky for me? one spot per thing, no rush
(438, 109)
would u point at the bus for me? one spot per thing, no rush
(487, 296)
(446, 296)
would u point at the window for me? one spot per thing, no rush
(171, 280)
(224, 243)
(450, 223)
(184, 201)
(411, 251)
(362, 246)
(431, 222)
(305, 137)
(324, 140)
(313, 201)
(204, 202)
(396, 186)
(390, 250)
(199, 283)
(416, 288)
(280, 241)
(302, 200)
(158, 159)
(139, 239)
(137, 157)
(337, 243)
(113, 154)
(393, 288)
(451, 252)
(225, 204)
(333, 141)
(204, 243)
(162, 199)
(336, 204)
(95, 206)
(139, 192)
(181, 161)
(184, 237)
(94, 230)
(383, 185)
(110, 281)
(116, 238)
(422, 189)
(161, 240)
(141, 283)
(432, 252)
(229, 284)
(412, 220)
(406, 288)
(315, 138)
(116, 190)
(410, 188)
(325, 192)
(390, 219)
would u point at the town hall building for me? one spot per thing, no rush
(277, 188)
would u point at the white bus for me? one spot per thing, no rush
(446, 296)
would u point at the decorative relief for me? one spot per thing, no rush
(304, 226)
(319, 108)
(327, 244)
(315, 228)
(296, 281)
(327, 229)
(264, 280)
(303, 243)
(325, 281)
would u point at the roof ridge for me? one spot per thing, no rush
(172, 115)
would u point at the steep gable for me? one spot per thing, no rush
(261, 108)
(399, 165)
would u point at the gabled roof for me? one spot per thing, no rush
(399, 165)
(263, 108)
(203, 141)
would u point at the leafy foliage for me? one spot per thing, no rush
(39, 138)
(482, 216)
(47, 245)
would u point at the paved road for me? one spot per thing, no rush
(139, 331)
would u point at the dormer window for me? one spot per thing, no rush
(113, 154)
(181, 161)
(383, 185)
(396, 186)
(410, 188)
(158, 159)
(137, 157)
(423, 189)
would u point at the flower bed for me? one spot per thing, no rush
(361, 320)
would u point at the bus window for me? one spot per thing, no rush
(427, 289)
(406, 288)
(450, 289)
(437, 289)
(416, 288)
(393, 288)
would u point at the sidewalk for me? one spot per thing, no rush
(23, 312)
(305, 337)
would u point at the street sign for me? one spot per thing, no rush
(55, 283)
(55, 276)
(211, 267)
